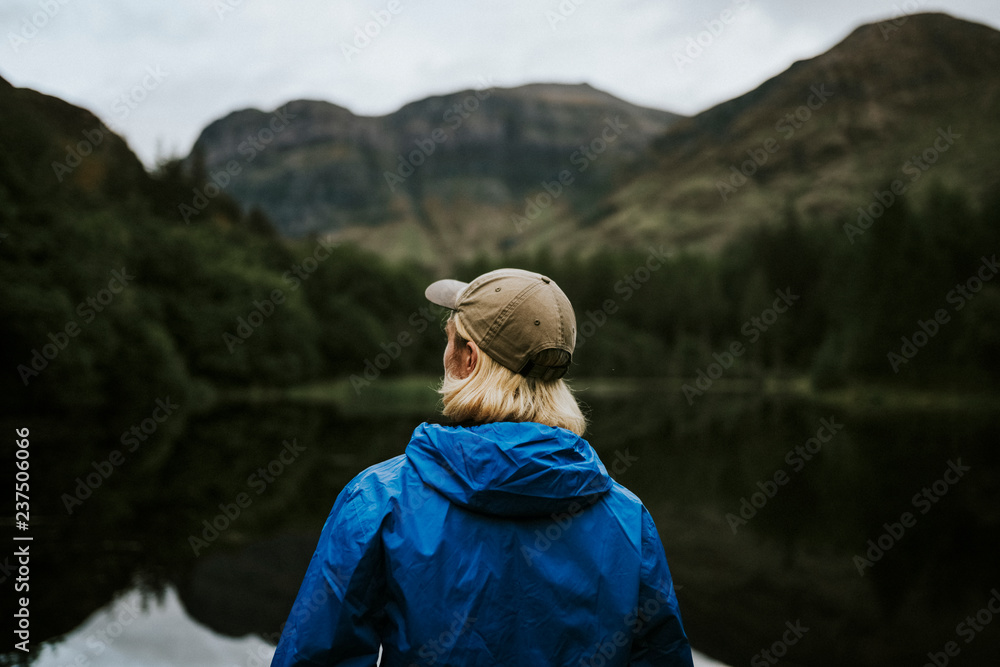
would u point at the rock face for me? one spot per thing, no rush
(316, 167)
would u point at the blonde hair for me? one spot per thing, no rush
(493, 393)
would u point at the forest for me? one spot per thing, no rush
(111, 304)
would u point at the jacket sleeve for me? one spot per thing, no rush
(334, 617)
(661, 639)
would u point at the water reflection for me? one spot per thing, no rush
(763, 503)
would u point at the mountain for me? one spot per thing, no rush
(55, 154)
(52, 149)
(910, 101)
(445, 171)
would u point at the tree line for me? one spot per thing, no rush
(112, 305)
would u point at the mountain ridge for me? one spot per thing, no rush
(884, 101)
(569, 168)
(825, 132)
(485, 149)
(52, 148)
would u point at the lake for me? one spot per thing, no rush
(861, 525)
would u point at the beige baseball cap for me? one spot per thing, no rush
(513, 315)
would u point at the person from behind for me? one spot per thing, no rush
(497, 540)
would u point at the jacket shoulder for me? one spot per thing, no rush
(370, 492)
(381, 478)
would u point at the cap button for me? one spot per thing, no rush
(545, 280)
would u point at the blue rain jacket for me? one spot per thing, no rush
(497, 544)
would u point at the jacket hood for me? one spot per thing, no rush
(508, 468)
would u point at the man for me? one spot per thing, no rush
(498, 541)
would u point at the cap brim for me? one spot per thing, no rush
(445, 292)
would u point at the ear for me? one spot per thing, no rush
(470, 357)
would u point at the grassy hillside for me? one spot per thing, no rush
(912, 104)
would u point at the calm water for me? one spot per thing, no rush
(765, 505)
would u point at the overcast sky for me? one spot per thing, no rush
(158, 71)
